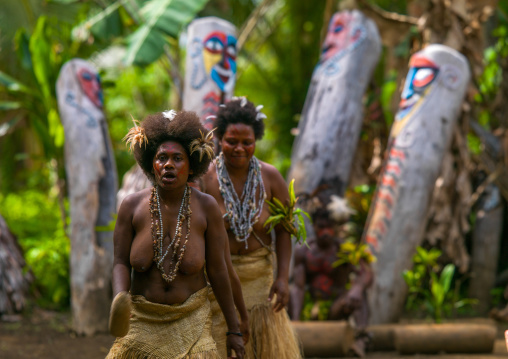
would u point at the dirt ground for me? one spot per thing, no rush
(47, 335)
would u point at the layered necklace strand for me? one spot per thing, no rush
(158, 233)
(243, 212)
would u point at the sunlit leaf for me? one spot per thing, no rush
(12, 84)
(105, 20)
(9, 105)
(162, 18)
(22, 41)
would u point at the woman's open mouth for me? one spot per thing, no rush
(169, 177)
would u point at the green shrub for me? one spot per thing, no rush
(34, 217)
(430, 286)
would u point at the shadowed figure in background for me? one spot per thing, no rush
(323, 290)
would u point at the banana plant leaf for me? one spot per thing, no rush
(103, 25)
(161, 18)
(9, 105)
(13, 85)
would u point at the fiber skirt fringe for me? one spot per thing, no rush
(271, 334)
(158, 331)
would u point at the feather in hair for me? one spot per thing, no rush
(136, 135)
(204, 145)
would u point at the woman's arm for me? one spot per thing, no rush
(122, 240)
(279, 189)
(236, 287)
(217, 271)
(298, 288)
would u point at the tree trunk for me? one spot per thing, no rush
(210, 64)
(92, 181)
(332, 115)
(486, 245)
(445, 337)
(14, 283)
(421, 133)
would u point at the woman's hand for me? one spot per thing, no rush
(244, 329)
(235, 342)
(281, 288)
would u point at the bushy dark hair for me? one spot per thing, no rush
(233, 112)
(320, 213)
(183, 128)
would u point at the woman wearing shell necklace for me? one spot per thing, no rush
(164, 239)
(241, 183)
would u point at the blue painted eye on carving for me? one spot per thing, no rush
(417, 80)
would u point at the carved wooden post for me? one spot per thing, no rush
(92, 183)
(210, 67)
(332, 114)
(422, 132)
(134, 180)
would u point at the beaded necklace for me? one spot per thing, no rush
(158, 233)
(242, 213)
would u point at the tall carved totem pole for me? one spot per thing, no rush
(92, 184)
(210, 67)
(332, 115)
(421, 134)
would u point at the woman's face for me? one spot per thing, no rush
(171, 165)
(325, 231)
(238, 144)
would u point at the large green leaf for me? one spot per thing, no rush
(40, 48)
(22, 41)
(12, 84)
(103, 25)
(6, 126)
(9, 105)
(162, 17)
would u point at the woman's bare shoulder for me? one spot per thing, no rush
(133, 200)
(209, 176)
(271, 172)
(205, 200)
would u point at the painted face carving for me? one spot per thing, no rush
(219, 56)
(91, 86)
(171, 165)
(337, 36)
(238, 144)
(421, 75)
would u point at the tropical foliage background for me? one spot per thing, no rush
(138, 46)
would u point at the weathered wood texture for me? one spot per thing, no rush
(332, 115)
(134, 180)
(325, 339)
(445, 337)
(486, 243)
(92, 185)
(210, 67)
(421, 133)
(14, 283)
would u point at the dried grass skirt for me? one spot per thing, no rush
(271, 334)
(177, 331)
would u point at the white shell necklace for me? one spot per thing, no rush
(158, 233)
(243, 212)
